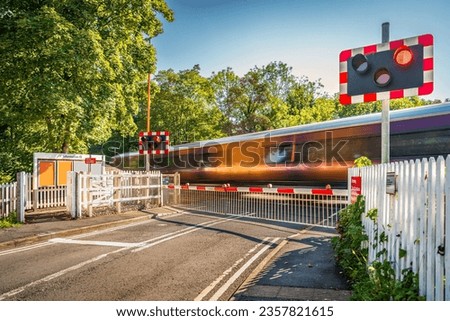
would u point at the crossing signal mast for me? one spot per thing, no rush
(154, 143)
(385, 71)
(390, 70)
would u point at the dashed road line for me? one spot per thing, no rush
(211, 287)
(216, 296)
(50, 277)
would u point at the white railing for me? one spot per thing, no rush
(113, 190)
(415, 219)
(45, 196)
(296, 205)
(8, 199)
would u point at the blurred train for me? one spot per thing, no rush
(312, 154)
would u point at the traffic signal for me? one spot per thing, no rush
(391, 70)
(151, 142)
(154, 142)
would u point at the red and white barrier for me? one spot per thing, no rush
(268, 190)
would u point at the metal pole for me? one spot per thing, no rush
(21, 196)
(148, 103)
(385, 117)
(147, 156)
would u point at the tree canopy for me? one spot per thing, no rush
(71, 72)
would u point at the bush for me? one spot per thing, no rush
(10, 221)
(377, 281)
(351, 256)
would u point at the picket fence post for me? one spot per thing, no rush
(21, 196)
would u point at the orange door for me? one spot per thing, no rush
(63, 168)
(46, 173)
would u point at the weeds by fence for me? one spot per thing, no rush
(412, 223)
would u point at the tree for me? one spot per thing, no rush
(375, 107)
(227, 93)
(322, 110)
(184, 105)
(71, 70)
(266, 97)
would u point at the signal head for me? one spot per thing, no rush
(403, 56)
(391, 70)
(360, 64)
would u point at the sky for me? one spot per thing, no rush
(307, 35)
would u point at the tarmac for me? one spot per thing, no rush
(300, 268)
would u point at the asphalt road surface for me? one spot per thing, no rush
(184, 256)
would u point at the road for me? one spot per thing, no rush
(183, 256)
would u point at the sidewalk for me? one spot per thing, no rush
(46, 225)
(300, 268)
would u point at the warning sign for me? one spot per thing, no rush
(355, 188)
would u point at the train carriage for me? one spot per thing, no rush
(317, 153)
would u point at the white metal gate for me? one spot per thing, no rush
(114, 190)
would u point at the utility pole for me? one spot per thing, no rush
(147, 156)
(148, 102)
(385, 105)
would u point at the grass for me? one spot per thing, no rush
(10, 221)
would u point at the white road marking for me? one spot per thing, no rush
(238, 273)
(210, 287)
(186, 231)
(100, 243)
(162, 239)
(50, 277)
(47, 243)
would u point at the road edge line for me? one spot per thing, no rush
(261, 266)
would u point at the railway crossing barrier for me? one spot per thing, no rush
(318, 207)
(86, 193)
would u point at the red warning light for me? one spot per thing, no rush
(403, 56)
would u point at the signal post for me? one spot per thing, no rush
(385, 71)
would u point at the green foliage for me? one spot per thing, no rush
(381, 285)
(378, 280)
(375, 107)
(362, 161)
(10, 221)
(349, 249)
(71, 73)
(372, 214)
(184, 105)
(268, 97)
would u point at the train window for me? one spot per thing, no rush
(422, 144)
(279, 155)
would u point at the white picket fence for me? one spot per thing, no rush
(8, 199)
(45, 196)
(113, 189)
(415, 220)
